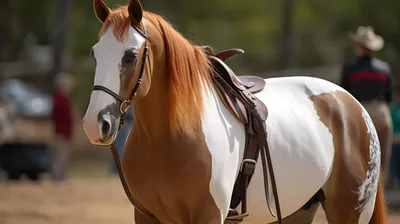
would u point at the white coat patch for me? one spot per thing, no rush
(301, 147)
(367, 190)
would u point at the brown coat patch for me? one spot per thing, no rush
(343, 116)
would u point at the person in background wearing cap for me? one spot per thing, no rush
(370, 81)
(63, 120)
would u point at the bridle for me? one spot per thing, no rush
(123, 107)
(126, 103)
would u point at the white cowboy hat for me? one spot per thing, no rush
(366, 36)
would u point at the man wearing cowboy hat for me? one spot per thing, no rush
(370, 81)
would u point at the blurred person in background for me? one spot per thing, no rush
(7, 111)
(370, 81)
(394, 174)
(121, 138)
(63, 122)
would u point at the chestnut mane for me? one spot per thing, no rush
(188, 68)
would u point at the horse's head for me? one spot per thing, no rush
(136, 50)
(123, 69)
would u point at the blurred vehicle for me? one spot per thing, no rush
(27, 100)
(25, 131)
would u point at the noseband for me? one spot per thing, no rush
(126, 103)
(123, 107)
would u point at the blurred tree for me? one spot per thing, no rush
(5, 30)
(60, 36)
(18, 18)
(284, 55)
(317, 34)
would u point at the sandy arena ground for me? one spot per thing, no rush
(91, 196)
(80, 200)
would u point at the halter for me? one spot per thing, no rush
(123, 107)
(126, 103)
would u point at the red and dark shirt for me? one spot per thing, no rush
(368, 79)
(62, 115)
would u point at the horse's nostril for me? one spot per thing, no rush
(105, 127)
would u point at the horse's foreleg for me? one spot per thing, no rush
(142, 219)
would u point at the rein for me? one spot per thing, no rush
(124, 106)
(121, 175)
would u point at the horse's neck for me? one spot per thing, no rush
(151, 116)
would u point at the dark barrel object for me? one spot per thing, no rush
(31, 159)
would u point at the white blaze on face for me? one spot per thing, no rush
(108, 53)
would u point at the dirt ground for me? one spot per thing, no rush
(90, 196)
(81, 200)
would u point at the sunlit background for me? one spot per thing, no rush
(41, 38)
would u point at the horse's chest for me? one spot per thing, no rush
(166, 182)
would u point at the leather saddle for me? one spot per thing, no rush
(247, 84)
(237, 95)
(253, 84)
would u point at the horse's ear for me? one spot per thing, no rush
(135, 10)
(101, 10)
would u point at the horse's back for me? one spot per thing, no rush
(301, 145)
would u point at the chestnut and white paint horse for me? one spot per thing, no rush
(184, 151)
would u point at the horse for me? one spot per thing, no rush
(185, 148)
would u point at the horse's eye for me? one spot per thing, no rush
(132, 57)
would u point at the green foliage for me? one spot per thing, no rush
(319, 29)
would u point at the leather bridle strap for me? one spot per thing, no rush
(124, 106)
(107, 90)
(121, 175)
